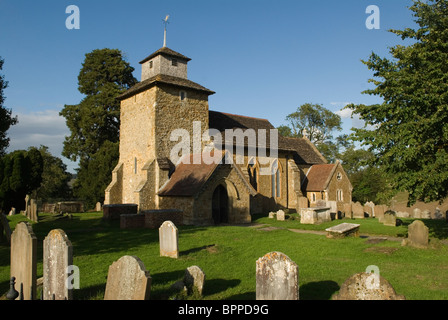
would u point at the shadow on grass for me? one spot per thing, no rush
(193, 250)
(320, 290)
(437, 228)
(214, 286)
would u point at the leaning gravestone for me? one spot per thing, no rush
(362, 286)
(277, 277)
(128, 279)
(168, 238)
(58, 256)
(24, 260)
(418, 235)
(194, 279)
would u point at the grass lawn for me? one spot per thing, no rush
(227, 254)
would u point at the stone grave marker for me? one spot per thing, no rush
(24, 260)
(98, 207)
(168, 238)
(358, 210)
(390, 219)
(194, 279)
(280, 215)
(343, 230)
(418, 235)
(128, 279)
(379, 212)
(58, 256)
(417, 213)
(277, 277)
(361, 287)
(348, 210)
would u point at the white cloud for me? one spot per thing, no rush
(40, 128)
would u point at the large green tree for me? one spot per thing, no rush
(409, 129)
(6, 119)
(317, 124)
(96, 119)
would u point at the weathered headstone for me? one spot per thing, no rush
(379, 212)
(302, 202)
(321, 203)
(128, 279)
(368, 210)
(272, 215)
(58, 256)
(308, 216)
(390, 219)
(417, 213)
(372, 208)
(33, 214)
(280, 215)
(363, 286)
(277, 277)
(98, 207)
(27, 204)
(24, 260)
(426, 214)
(194, 279)
(358, 210)
(333, 206)
(168, 238)
(418, 235)
(348, 210)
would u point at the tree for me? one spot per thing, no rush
(95, 122)
(103, 76)
(6, 120)
(55, 177)
(410, 131)
(317, 124)
(95, 175)
(21, 174)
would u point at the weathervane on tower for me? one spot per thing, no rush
(165, 22)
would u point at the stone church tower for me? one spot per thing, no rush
(164, 100)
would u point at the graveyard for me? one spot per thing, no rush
(227, 255)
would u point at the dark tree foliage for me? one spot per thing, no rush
(95, 122)
(410, 128)
(6, 119)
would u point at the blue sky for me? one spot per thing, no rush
(263, 58)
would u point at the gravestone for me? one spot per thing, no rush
(363, 286)
(379, 212)
(372, 208)
(128, 279)
(168, 238)
(98, 207)
(390, 219)
(24, 260)
(308, 216)
(417, 213)
(333, 208)
(271, 215)
(343, 230)
(277, 277)
(426, 214)
(58, 256)
(358, 210)
(369, 210)
(32, 211)
(280, 215)
(12, 212)
(302, 202)
(418, 235)
(348, 210)
(27, 204)
(194, 279)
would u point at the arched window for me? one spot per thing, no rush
(252, 170)
(275, 179)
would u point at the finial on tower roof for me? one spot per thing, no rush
(165, 21)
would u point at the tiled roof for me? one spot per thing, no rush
(305, 151)
(165, 51)
(187, 179)
(163, 79)
(318, 177)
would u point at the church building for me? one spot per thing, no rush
(166, 145)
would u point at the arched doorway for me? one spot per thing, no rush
(220, 205)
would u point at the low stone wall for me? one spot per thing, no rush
(114, 211)
(132, 221)
(155, 218)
